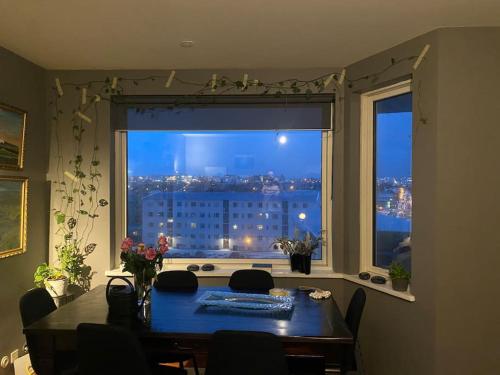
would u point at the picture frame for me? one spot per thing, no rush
(12, 133)
(13, 215)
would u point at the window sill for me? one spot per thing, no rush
(226, 272)
(384, 288)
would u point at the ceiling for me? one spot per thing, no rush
(145, 34)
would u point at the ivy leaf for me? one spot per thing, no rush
(60, 217)
(89, 248)
(95, 163)
(83, 212)
(103, 202)
(71, 223)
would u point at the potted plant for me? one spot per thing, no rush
(299, 251)
(400, 277)
(52, 278)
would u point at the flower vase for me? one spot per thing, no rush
(141, 285)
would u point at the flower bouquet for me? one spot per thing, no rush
(143, 262)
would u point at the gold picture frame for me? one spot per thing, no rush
(12, 132)
(13, 215)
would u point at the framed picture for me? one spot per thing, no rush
(13, 215)
(12, 127)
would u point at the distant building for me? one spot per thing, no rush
(228, 220)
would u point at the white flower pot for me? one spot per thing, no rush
(56, 288)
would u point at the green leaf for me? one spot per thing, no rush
(60, 217)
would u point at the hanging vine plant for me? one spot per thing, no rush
(76, 202)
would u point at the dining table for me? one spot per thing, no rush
(178, 320)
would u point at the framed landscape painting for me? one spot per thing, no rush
(12, 127)
(13, 209)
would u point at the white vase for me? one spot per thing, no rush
(56, 288)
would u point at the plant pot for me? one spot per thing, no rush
(400, 285)
(301, 263)
(56, 288)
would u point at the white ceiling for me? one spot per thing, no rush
(145, 34)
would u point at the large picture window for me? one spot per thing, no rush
(226, 193)
(223, 194)
(386, 177)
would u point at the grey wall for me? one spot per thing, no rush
(22, 85)
(453, 326)
(397, 336)
(467, 205)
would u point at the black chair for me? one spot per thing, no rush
(112, 350)
(353, 318)
(176, 281)
(173, 281)
(309, 365)
(251, 280)
(33, 306)
(246, 353)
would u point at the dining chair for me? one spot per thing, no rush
(353, 319)
(312, 365)
(246, 353)
(112, 350)
(176, 281)
(33, 306)
(173, 281)
(252, 280)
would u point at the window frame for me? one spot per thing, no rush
(119, 187)
(367, 164)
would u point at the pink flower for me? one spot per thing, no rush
(163, 249)
(141, 249)
(162, 240)
(127, 244)
(150, 253)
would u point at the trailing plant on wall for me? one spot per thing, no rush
(77, 201)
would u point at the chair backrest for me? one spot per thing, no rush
(246, 353)
(110, 350)
(176, 281)
(257, 280)
(34, 305)
(353, 318)
(355, 311)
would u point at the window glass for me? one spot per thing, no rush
(393, 181)
(250, 186)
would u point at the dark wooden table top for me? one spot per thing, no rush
(178, 315)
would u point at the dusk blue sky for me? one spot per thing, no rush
(242, 153)
(259, 152)
(394, 144)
